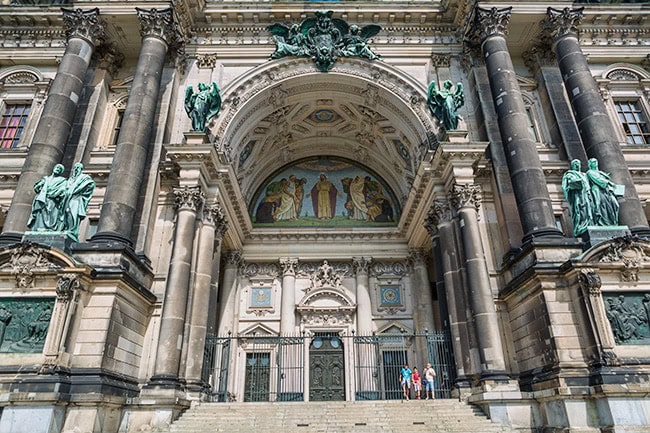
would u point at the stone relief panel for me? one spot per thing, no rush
(629, 317)
(24, 323)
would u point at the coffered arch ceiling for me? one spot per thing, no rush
(286, 110)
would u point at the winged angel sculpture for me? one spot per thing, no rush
(203, 105)
(324, 39)
(445, 103)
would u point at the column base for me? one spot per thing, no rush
(498, 376)
(10, 238)
(110, 237)
(164, 381)
(546, 234)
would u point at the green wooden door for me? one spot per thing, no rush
(326, 369)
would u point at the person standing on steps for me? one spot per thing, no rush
(417, 383)
(405, 380)
(429, 374)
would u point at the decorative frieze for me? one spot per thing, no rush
(83, 24)
(465, 195)
(155, 23)
(260, 270)
(188, 198)
(563, 22)
(397, 269)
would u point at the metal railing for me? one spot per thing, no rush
(277, 368)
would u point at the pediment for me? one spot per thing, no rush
(619, 250)
(27, 259)
(326, 298)
(259, 330)
(394, 328)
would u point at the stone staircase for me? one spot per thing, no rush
(438, 416)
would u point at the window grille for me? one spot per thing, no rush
(634, 122)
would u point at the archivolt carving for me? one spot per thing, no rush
(326, 307)
(26, 259)
(629, 252)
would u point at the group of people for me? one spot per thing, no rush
(420, 382)
(365, 200)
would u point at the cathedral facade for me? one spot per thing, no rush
(289, 201)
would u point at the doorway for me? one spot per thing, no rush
(326, 368)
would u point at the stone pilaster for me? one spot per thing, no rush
(440, 225)
(125, 179)
(288, 308)
(187, 201)
(528, 180)
(466, 200)
(423, 301)
(67, 290)
(364, 307)
(229, 291)
(595, 125)
(84, 30)
(209, 244)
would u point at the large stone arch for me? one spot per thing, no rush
(384, 120)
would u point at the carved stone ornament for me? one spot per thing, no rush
(439, 213)
(215, 216)
(396, 269)
(325, 308)
(463, 196)
(206, 61)
(361, 264)
(83, 24)
(260, 270)
(155, 23)
(26, 259)
(326, 276)
(233, 258)
(323, 39)
(289, 266)
(563, 22)
(66, 285)
(188, 198)
(417, 257)
(489, 22)
(109, 58)
(590, 281)
(631, 253)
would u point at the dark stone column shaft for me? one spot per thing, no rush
(172, 320)
(596, 128)
(51, 135)
(528, 180)
(466, 199)
(127, 171)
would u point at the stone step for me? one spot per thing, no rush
(438, 416)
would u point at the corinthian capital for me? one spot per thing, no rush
(439, 213)
(563, 22)
(156, 23)
(360, 264)
(215, 216)
(490, 22)
(289, 265)
(462, 196)
(188, 198)
(83, 24)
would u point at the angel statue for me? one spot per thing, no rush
(444, 104)
(356, 43)
(203, 105)
(289, 41)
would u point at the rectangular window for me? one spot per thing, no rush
(634, 122)
(118, 126)
(12, 124)
(531, 124)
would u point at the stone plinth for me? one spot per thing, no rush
(58, 240)
(597, 234)
(196, 138)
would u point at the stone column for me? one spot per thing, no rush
(594, 123)
(288, 305)
(188, 200)
(227, 304)
(423, 308)
(440, 224)
(466, 200)
(210, 235)
(528, 180)
(364, 307)
(127, 171)
(84, 29)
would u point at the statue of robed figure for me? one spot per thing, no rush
(80, 189)
(445, 103)
(49, 204)
(577, 193)
(203, 105)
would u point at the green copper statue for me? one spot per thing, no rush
(203, 105)
(61, 204)
(445, 103)
(591, 196)
(324, 39)
(577, 193)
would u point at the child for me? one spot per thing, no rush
(417, 382)
(405, 380)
